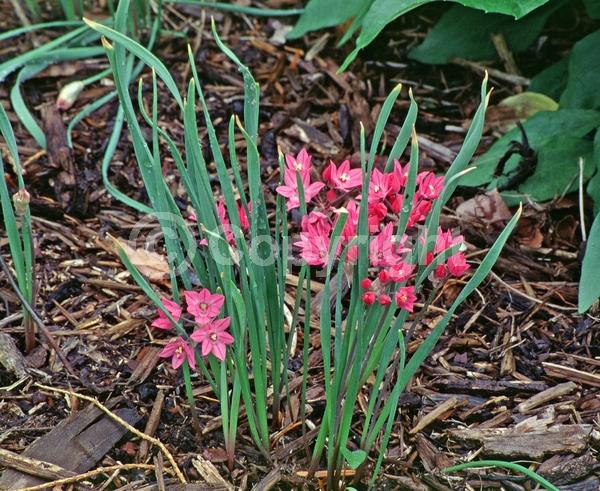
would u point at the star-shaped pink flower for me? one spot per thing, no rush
(204, 305)
(163, 321)
(214, 338)
(343, 177)
(179, 350)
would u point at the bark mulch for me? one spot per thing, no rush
(515, 377)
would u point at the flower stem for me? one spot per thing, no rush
(187, 380)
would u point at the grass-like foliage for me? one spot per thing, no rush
(229, 262)
(17, 222)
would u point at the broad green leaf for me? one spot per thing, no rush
(589, 286)
(542, 129)
(592, 8)
(382, 12)
(354, 458)
(584, 67)
(552, 80)
(557, 168)
(466, 33)
(593, 189)
(326, 13)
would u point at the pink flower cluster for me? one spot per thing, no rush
(388, 255)
(210, 333)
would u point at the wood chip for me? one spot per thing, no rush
(560, 371)
(547, 396)
(516, 443)
(437, 412)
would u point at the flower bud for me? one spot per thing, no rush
(384, 277)
(21, 201)
(369, 298)
(68, 95)
(365, 283)
(384, 299)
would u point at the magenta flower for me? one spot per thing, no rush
(179, 350)
(401, 173)
(214, 338)
(401, 272)
(300, 163)
(244, 222)
(457, 265)
(203, 305)
(405, 298)
(315, 223)
(225, 223)
(430, 186)
(382, 248)
(375, 216)
(419, 213)
(314, 248)
(343, 178)
(379, 186)
(163, 321)
(349, 231)
(290, 189)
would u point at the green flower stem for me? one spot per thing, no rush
(187, 380)
(506, 465)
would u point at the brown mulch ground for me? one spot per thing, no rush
(517, 336)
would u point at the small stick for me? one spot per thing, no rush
(125, 424)
(152, 423)
(88, 475)
(37, 320)
(581, 203)
(33, 467)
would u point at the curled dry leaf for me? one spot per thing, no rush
(488, 208)
(150, 264)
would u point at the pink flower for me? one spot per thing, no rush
(375, 216)
(163, 321)
(401, 173)
(384, 299)
(178, 350)
(405, 298)
(224, 222)
(419, 213)
(396, 203)
(291, 192)
(213, 337)
(203, 305)
(349, 231)
(343, 178)
(430, 186)
(314, 248)
(445, 240)
(300, 163)
(368, 298)
(382, 248)
(400, 272)
(244, 222)
(316, 223)
(378, 187)
(457, 264)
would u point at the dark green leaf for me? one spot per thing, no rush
(551, 81)
(557, 168)
(593, 8)
(382, 12)
(584, 69)
(589, 286)
(542, 129)
(326, 13)
(466, 33)
(593, 189)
